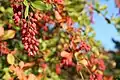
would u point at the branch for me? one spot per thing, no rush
(108, 20)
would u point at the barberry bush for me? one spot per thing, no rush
(50, 40)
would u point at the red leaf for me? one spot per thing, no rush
(66, 55)
(57, 15)
(58, 69)
(69, 21)
(19, 72)
(29, 64)
(67, 58)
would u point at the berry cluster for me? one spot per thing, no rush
(29, 40)
(84, 46)
(79, 45)
(17, 9)
(97, 67)
(44, 19)
(28, 28)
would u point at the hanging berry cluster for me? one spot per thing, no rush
(17, 9)
(28, 28)
(29, 31)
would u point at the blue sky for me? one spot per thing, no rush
(105, 31)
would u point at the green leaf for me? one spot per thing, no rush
(16, 28)
(28, 71)
(10, 59)
(8, 34)
(48, 7)
(74, 8)
(39, 5)
(26, 11)
(44, 46)
(1, 24)
(52, 42)
(6, 69)
(103, 7)
(27, 8)
(25, 2)
(6, 76)
(97, 5)
(9, 10)
(105, 13)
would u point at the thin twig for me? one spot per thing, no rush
(81, 75)
(88, 70)
(17, 58)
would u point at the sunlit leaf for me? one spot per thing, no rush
(8, 34)
(95, 50)
(84, 62)
(2, 9)
(10, 59)
(66, 54)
